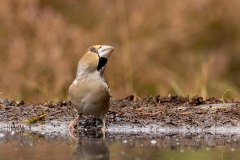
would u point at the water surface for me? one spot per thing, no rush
(21, 145)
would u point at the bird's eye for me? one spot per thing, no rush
(92, 49)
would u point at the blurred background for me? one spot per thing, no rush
(188, 47)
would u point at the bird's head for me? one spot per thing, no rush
(95, 58)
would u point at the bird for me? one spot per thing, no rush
(89, 93)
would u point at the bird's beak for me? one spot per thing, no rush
(105, 51)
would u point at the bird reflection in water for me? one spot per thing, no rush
(90, 149)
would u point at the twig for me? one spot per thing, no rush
(141, 123)
(185, 113)
(148, 114)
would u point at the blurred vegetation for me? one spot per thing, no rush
(188, 47)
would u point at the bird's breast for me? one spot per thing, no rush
(90, 96)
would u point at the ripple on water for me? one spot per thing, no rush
(153, 141)
(124, 141)
(1, 135)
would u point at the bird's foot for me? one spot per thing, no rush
(103, 132)
(73, 133)
(72, 128)
(72, 125)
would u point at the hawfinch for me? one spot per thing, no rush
(89, 92)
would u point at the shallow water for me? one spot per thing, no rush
(22, 145)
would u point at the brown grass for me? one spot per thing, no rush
(162, 47)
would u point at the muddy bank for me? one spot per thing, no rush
(130, 115)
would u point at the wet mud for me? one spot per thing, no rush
(137, 116)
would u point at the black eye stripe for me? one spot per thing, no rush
(92, 49)
(102, 63)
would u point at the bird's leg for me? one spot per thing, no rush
(72, 125)
(104, 123)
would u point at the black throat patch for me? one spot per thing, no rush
(101, 63)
